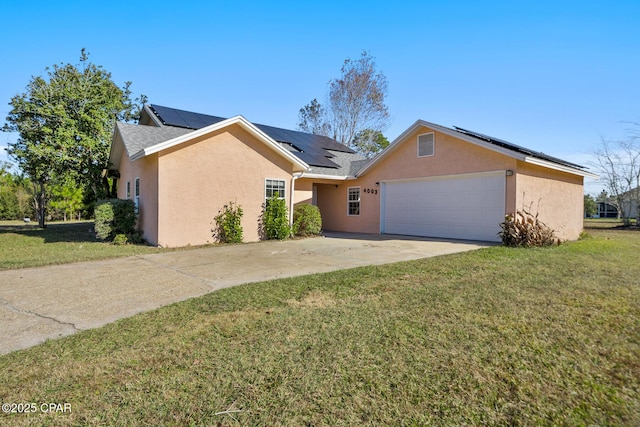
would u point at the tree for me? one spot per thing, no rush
(619, 165)
(590, 207)
(67, 199)
(312, 118)
(64, 122)
(356, 103)
(8, 200)
(368, 142)
(14, 194)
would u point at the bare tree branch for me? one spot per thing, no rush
(619, 165)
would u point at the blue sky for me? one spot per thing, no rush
(553, 76)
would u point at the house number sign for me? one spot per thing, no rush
(371, 190)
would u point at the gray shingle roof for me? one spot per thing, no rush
(138, 137)
(349, 163)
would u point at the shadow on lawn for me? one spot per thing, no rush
(56, 232)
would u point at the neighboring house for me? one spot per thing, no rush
(606, 210)
(608, 207)
(631, 203)
(181, 168)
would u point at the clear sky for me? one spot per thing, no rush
(553, 76)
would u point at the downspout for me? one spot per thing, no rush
(293, 188)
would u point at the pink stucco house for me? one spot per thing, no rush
(181, 167)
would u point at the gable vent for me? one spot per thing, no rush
(426, 144)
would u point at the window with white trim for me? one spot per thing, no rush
(137, 194)
(274, 186)
(426, 144)
(353, 201)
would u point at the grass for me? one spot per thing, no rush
(607, 223)
(497, 336)
(59, 243)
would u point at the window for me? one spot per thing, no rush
(353, 201)
(426, 144)
(273, 186)
(137, 194)
(128, 189)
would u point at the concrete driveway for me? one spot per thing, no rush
(42, 303)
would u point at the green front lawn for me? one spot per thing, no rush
(59, 243)
(497, 336)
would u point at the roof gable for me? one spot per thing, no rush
(315, 150)
(487, 142)
(141, 140)
(239, 120)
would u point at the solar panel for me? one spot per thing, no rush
(312, 149)
(316, 160)
(523, 150)
(183, 119)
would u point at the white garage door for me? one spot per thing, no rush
(467, 206)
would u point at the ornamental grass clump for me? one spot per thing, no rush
(526, 230)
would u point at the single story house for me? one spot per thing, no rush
(182, 167)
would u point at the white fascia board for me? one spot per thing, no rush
(558, 167)
(244, 123)
(153, 117)
(330, 177)
(392, 146)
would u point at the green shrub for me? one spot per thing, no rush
(135, 238)
(306, 220)
(114, 216)
(120, 239)
(228, 227)
(524, 229)
(275, 219)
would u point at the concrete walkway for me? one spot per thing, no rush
(42, 303)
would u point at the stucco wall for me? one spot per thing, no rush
(145, 169)
(197, 178)
(452, 156)
(303, 191)
(560, 193)
(556, 196)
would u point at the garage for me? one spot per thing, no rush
(468, 206)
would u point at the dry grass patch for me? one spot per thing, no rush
(314, 299)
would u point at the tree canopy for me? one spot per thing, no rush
(368, 142)
(64, 122)
(356, 104)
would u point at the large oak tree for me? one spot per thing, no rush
(64, 122)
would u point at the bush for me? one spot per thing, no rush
(120, 239)
(135, 238)
(306, 220)
(113, 217)
(524, 229)
(275, 219)
(228, 224)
